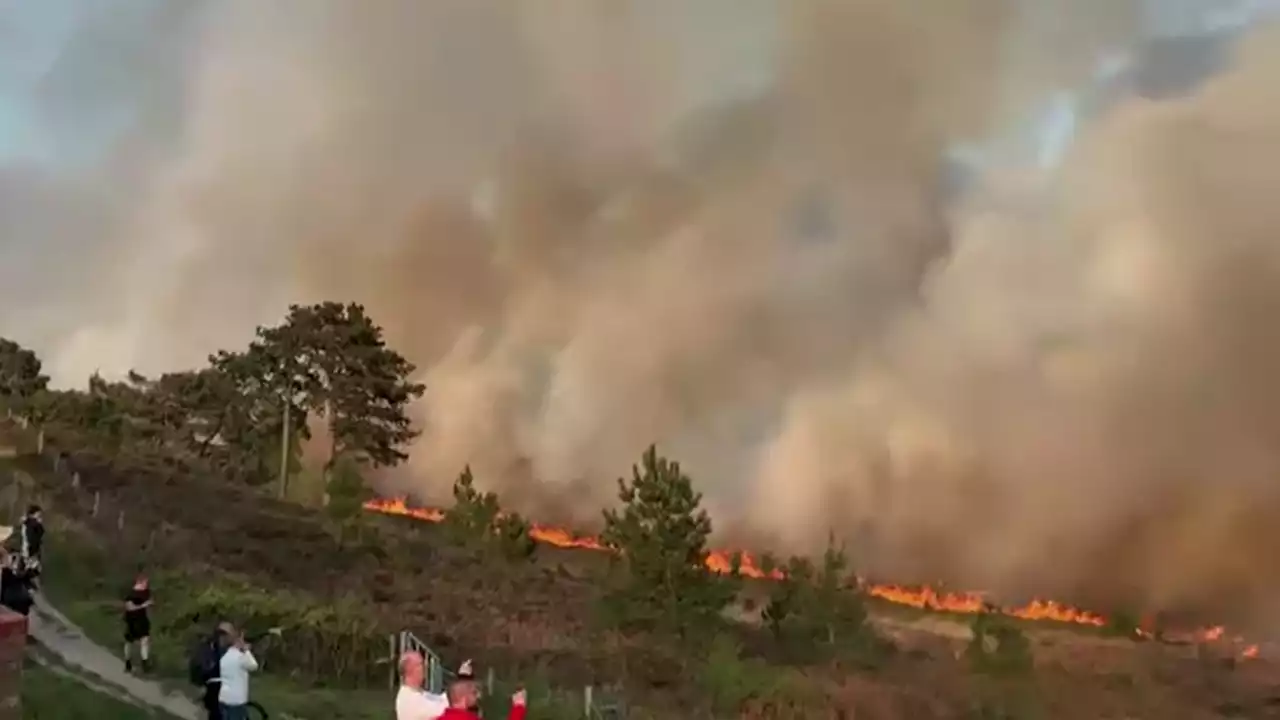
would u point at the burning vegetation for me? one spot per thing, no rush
(748, 565)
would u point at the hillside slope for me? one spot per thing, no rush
(534, 619)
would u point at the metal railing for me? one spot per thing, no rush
(597, 703)
(406, 641)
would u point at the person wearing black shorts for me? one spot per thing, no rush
(137, 623)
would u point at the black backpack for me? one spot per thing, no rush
(202, 666)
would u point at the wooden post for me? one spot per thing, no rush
(284, 448)
(75, 481)
(488, 682)
(97, 498)
(395, 659)
(120, 521)
(588, 707)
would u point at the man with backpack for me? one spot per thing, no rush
(203, 666)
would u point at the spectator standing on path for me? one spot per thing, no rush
(204, 670)
(234, 669)
(33, 538)
(137, 623)
(464, 702)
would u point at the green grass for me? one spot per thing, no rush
(80, 581)
(47, 695)
(87, 587)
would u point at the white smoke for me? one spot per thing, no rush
(724, 227)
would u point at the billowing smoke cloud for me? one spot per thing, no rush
(729, 227)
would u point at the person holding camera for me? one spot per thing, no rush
(234, 668)
(203, 666)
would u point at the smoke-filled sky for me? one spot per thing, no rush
(987, 287)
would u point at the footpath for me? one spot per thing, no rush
(73, 649)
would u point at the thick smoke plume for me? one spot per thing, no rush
(728, 227)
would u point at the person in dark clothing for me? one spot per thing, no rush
(137, 623)
(15, 586)
(32, 543)
(205, 661)
(32, 534)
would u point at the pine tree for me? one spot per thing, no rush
(471, 518)
(22, 376)
(513, 537)
(346, 489)
(476, 521)
(658, 578)
(819, 610)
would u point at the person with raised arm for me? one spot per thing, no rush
(234, 668)
(464, 701)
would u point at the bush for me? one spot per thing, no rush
(731, 681)
(997, 647)
(1123, 624)
(819, 613)
(1001, 662)
(337, 643)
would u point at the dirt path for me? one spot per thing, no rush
(73, 648)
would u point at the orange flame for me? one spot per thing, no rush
(721, 561)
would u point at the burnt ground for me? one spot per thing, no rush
(539, 615)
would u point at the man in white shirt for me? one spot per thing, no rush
(234, 669)
(413, 702)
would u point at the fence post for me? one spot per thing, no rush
(588, 707)
(488, 682)
(435, 672)
(395, 659)
(97, 498)
(120, 521)
(75, 481)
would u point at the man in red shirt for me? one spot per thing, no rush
(464, 702)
